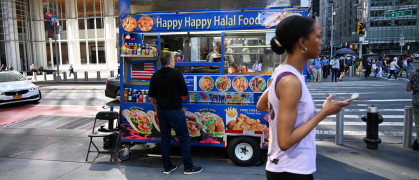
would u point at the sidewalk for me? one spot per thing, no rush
(34, 153)
(92, 78)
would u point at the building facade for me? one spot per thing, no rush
(89, 29)
(389, 28)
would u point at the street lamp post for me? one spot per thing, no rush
(333, 28)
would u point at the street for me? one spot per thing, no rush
(67, 113)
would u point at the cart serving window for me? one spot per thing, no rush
(216, 50)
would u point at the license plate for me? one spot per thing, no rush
(17, 97)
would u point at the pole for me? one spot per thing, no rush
(331, 36)
(407, 128)
(339, 128)
(58, 78)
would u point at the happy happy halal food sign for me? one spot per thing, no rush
(235, 20)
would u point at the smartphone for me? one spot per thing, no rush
(354, 96)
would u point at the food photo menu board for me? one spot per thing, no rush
(226, 89)
(206, 125)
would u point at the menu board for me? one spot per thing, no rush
(225, 89)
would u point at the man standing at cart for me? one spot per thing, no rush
(166, 92)
(215, 56)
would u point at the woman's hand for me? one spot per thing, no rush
(331, 106)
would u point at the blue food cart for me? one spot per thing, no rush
(221, 105)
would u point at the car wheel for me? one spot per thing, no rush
(244, 151)
(118, 94)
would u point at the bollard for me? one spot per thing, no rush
(86, 75)
(45, 76)
(25, 74)
(75, 76)
(65, 75)
(339, 128)
(54, 75)
(407, 128)
(34, 76)
(98, 75)
(112, 74)
(350, 71)
(372, 119)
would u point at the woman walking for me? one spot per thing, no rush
(293, 118)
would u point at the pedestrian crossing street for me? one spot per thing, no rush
(390, 106)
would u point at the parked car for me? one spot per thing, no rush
(15, 88)
(112, 88)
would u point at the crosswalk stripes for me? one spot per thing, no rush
(353, 125)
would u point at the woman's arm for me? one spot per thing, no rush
(262, 104)
(288, 108)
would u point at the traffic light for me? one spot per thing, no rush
(50, 25)
(360, 30)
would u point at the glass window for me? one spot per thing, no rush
(83, 52)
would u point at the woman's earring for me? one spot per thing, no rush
(304, 50)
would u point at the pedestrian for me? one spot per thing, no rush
(10, 68)
(335, 69)
(33, 68)
(393, 66)
(292, 148)
(413, 84)
(41, 68)
(167, 90)
(374, 68)
(118, 71)
(312, 72)
(3, 67)
(379, 70)
(71, 70)
(341, 69)
(317, 70)
(368, 64)
(325, 67)
(404, 67)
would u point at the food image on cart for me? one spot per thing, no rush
(194, 124)
(212, 124)
(145, 23)
(243, 122)
(206, 83)
(223, 83)
(275, 18)
(139, 121)
(129, 24)
(240, 84)
(154, 119)
(257, 84)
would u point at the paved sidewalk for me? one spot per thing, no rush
(29, 153)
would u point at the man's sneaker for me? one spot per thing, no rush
(193, 170)
(168, 171)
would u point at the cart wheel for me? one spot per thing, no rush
(124, 156)
(244, 151)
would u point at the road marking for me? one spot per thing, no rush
(365, 110)
(388, 100)
(350, 116)
(351, 123)
(362, 133)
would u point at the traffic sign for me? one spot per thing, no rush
(398, 14)
(365, 42)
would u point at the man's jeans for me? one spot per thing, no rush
(174, 119)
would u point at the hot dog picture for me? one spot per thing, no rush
(139, 120)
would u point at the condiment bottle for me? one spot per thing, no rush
(126, 95)
(243, 69)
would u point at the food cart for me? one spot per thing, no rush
(221, 105)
